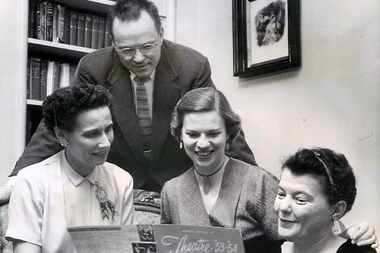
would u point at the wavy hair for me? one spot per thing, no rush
(202, 100)
(337, 173)
(63, 105)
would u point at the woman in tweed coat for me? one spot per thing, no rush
(219, 190)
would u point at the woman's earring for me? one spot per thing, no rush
(180, 145)
(63, 144)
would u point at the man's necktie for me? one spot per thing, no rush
(143, 113)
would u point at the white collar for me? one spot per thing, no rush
(133, 75)
(74, 177)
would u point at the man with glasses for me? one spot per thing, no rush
(146, 76)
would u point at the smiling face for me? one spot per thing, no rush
(204, 138)
(140, 33)
(89, 142)
(302, 207)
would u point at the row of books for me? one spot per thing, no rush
(58, 23)
(44, 76)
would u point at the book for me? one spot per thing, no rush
(88, 30)
(107, 33)
(56, 74)
(94, 31)
(41, 22)
(73, 68)
(51, 77)
(49, 11)
(73, 27)
(67, 28)
(80, 29)
(101, 31)
(43, 79)
(35, 71)
(55, 23)
(61, 23)
(32, 19)
(64, 79)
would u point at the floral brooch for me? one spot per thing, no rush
(107, 207)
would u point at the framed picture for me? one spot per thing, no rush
(266, 36)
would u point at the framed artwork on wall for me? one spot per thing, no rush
(266, 36)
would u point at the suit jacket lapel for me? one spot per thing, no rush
(194, 212)
(123, 107)
(165, 95)
(224, 210)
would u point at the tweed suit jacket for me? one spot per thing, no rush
(179, 70)
(245, 201)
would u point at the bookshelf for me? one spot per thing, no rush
(52, 52)
(60, 50)
(55, 45)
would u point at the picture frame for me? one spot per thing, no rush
(266, 36)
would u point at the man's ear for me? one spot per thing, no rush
(61, 136)
(339, 209)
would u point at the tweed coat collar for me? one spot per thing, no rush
(223, 212)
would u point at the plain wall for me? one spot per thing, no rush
(332, 101)
(13, 20)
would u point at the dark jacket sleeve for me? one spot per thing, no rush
(42, 145)
(240, 150)
(203, 78)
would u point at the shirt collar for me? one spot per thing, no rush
(133, 75)
(74, 177)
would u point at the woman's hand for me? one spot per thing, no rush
(361, 234)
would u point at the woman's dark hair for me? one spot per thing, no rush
(128, 10)
(203, 100)
(63, 105)
(339, 180)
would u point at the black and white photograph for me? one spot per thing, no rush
(266, 37)
(130, 118)
(267, 32)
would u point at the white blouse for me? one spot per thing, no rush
(50, 196)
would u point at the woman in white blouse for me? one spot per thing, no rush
(76, 186)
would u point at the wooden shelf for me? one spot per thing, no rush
(57, 49)
(34, 102)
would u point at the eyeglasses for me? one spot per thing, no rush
(131, 51)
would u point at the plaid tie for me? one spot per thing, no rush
(143, 113)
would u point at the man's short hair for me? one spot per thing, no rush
(128, 10)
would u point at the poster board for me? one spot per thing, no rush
(156, 239)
